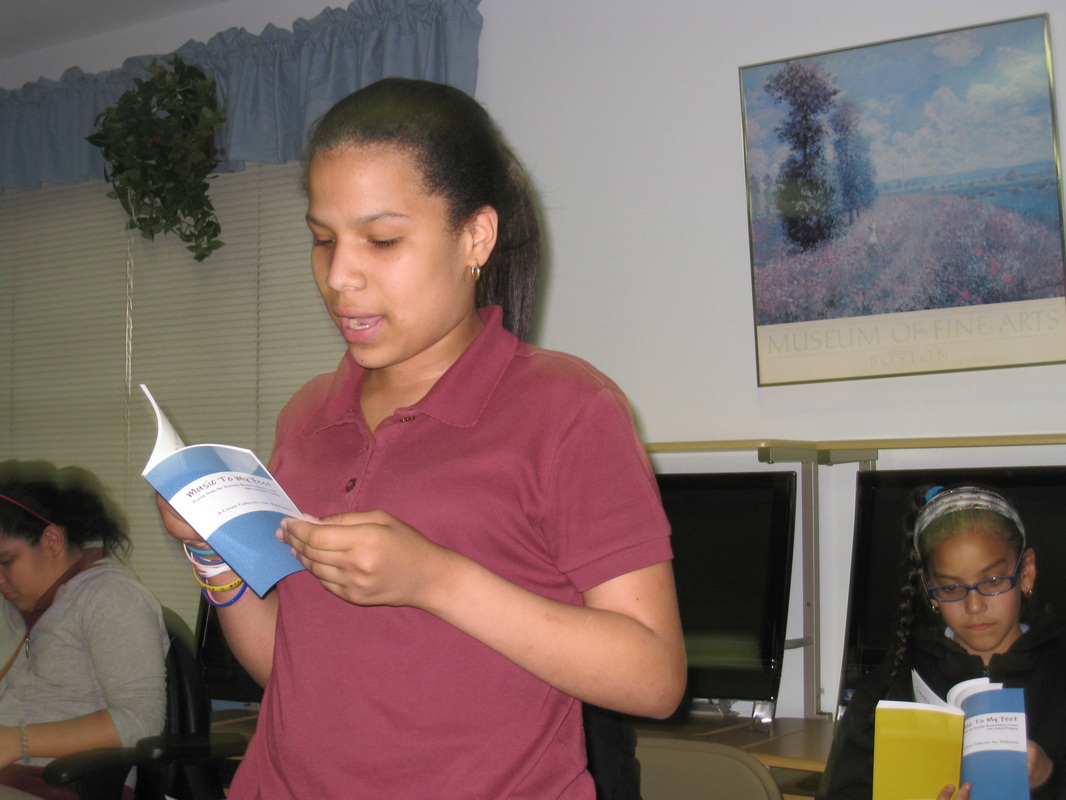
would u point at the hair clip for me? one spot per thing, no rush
(933, 492)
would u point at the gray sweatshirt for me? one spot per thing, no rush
(101, 645)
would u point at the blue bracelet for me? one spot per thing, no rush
(231, 601)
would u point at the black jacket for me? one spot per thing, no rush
(1035, 662)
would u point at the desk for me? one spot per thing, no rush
(794, 749)
(235, 720)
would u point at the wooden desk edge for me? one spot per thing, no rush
(812, 737)
(789, 762)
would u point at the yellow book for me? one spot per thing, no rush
(917, 750)
(976, 735)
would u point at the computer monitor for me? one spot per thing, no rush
(882, 502)
(732, 536)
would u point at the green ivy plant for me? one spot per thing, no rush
(159, 139)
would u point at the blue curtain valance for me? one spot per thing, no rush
(273, 86)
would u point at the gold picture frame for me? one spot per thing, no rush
(905, 206)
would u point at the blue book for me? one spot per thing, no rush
(994, 757)
(229, 498)
(994, 736)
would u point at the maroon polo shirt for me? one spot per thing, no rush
(522, 459)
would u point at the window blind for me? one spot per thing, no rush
(222, 344)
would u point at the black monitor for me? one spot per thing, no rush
(882, 501)
(732, 535)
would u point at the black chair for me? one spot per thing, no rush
(182, 763)
(226, 680)
(611, 747)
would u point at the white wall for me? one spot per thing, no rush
(628, 114)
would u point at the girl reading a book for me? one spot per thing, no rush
(487, 547)
(84, 641)
(966, 611)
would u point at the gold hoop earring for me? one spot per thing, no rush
(475, 271)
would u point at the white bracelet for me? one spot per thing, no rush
(203, 569)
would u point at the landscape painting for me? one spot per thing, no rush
(904, 206)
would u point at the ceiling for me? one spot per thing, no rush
(29, 25)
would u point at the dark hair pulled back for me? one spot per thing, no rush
(71, 498)
(463, 160)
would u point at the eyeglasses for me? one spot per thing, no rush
(989, 587)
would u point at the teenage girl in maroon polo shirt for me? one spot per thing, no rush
(488, 548)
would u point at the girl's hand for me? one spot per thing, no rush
(176, 525)
(368, 558)
(948, 792)
(1040, 766)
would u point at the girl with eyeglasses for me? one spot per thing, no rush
(966, 611)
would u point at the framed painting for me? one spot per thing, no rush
(904, 206)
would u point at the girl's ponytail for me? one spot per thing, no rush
(510, 277)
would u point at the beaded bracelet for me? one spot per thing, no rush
(231, 601)
(210, 588)
(24, 737)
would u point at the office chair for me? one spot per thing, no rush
(182, 763)
(226, 680)
(677, 769)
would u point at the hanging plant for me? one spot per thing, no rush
(159, 139)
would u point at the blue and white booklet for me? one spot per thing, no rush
(994, 757)
(229, 498)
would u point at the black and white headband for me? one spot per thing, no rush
(941, 501)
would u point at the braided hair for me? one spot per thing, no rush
(911, 607)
